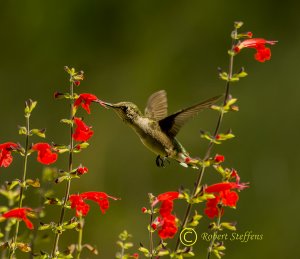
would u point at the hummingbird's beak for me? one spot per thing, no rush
(108, 105)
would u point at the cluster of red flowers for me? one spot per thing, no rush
(20, 214)
(44, 150)
(82, 208)
(224, 196)
(262, 52)
(5, 153)
(167, 221)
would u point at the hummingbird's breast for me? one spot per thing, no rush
(153, 137)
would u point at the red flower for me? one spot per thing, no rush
(229, 198)
(144, 209)
(223, 195)
(82, 170)
(211, 209)
(170, 196)
(168, 228)
(259, 44)
(219, 158)
(5, 153)
(82, 132)
(77, 202)
(135, 255)
(20, 214)
(85, 101)
(219, 187)
(45, 155)
(167, 221)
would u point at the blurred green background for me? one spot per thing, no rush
(128, 50)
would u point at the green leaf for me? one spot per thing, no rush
(34, 183)
(124, 235)
(44, 226)
(22, 130)
(128, 245)
(38, 132)
(53, 201)
(66, 121)
(163, 252)
(12, 184)
(238, 24)
(61, 178)
(71, 224)
(229, 226)
(144, 250)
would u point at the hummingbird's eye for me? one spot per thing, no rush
(124, 108)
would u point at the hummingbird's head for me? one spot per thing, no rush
(127, 111)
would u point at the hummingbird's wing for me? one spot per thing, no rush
(157, 106)
(172, 124)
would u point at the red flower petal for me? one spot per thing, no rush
(218, 187)
(168, 196)
(45, 155)
(85, 101)
(5, 153)
(229, 198)
(21, 214)
(82, 132)
(219, 158)
(259, 44)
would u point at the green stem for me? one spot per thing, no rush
(209, 148)
(79, 245)
(20, 203)
(151, 234)
(212, 242)
(68, 185)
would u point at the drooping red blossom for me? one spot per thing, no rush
(229, 198)
(85, 101)
(168, 228)
(219, 158)
(82, 170)
(166, 222)
(223, 195)
(82, 131)
(170, 196)
(262, 52)
(144, 209)
(211, 209)
(45, 154)
(5, 153)
(21, 214)
(77, 202)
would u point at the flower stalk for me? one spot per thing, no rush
(70, 168)
(23, 184)
(212, 242)
(211, 143)
(80, 232)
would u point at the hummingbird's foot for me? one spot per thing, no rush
(160, 162)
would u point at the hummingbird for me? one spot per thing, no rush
(156, 129)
